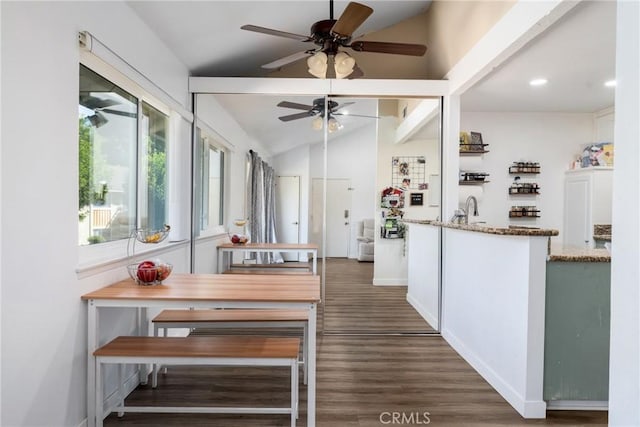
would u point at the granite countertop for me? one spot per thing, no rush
(606, 237)
(417, 221)
(577, 254)
(482, 228)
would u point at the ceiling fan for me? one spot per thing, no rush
(100, 106)
(330, 35)
(317, 110)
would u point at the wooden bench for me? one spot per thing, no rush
(234, 318)
(213, 351)
(267, 271)
(279, 268)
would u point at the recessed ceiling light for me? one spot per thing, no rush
(538, 82)
(610, 83)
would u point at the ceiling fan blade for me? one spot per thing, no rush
(287, 104)
(93, 102)
(295, 116)
(355, 115)
(344, 104)
(277, 33)
(118, 113)
(352, 17)
(388, 47)
(288, 60)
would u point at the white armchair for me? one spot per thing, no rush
(366, 238)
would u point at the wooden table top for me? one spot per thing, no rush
(270, 246)
(216, 288)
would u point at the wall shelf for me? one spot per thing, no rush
(473, 149)
(472, 182)
(530, 168)
(524, 189)
(524, 212)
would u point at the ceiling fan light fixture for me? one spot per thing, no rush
(343, 64)
(316, 124)
(333, 125)
(318, 65)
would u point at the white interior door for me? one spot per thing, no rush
(338, 216)
(288, 212)
(577, 213)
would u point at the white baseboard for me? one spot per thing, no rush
(578, 405)
(390, 282)
(422, 311)
(526, 408)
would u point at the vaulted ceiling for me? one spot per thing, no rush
(576, 54)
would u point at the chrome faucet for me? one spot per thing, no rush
(467, 206)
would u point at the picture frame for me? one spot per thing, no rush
(416, 199)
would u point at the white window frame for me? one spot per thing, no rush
(213, 140)
(90, 256)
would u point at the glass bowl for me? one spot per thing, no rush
(146, 274)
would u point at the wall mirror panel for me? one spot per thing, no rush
(332, 173)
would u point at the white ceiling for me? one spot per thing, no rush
(206, 35)
(258, 116)
(576, 55)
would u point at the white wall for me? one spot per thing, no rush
(624, 371)
(390, 266)
(493, 311)
(350, 156)
(552, 139)
(296, 163)
(423, 291)
(43, 319)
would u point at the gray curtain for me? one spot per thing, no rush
(261, 205)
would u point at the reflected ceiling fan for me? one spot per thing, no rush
(100, 106)
(317, 110)
(330, 36)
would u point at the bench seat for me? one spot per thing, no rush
(213, 351)
(267, 271)
(233, 318)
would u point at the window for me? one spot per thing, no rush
(122, 161)
(210, 183)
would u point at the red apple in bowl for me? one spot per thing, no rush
(235, 239)
(147, 271)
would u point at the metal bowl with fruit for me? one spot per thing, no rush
(144, 235)
(239, 239)
(149, 272)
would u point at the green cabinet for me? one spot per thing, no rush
(577, 318)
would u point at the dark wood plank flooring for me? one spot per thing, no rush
(360, 380)
(353, 304)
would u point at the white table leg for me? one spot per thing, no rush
(311, 371)
(315, 262)
(92, 340)
(143, 331)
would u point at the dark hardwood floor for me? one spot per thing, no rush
(363, 381)
(353, 304)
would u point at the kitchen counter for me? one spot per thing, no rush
(605, 237)
(482, 228)
(577, 254)
(418, 221)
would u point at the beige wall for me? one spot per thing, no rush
(454, 27)
(448, 28)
